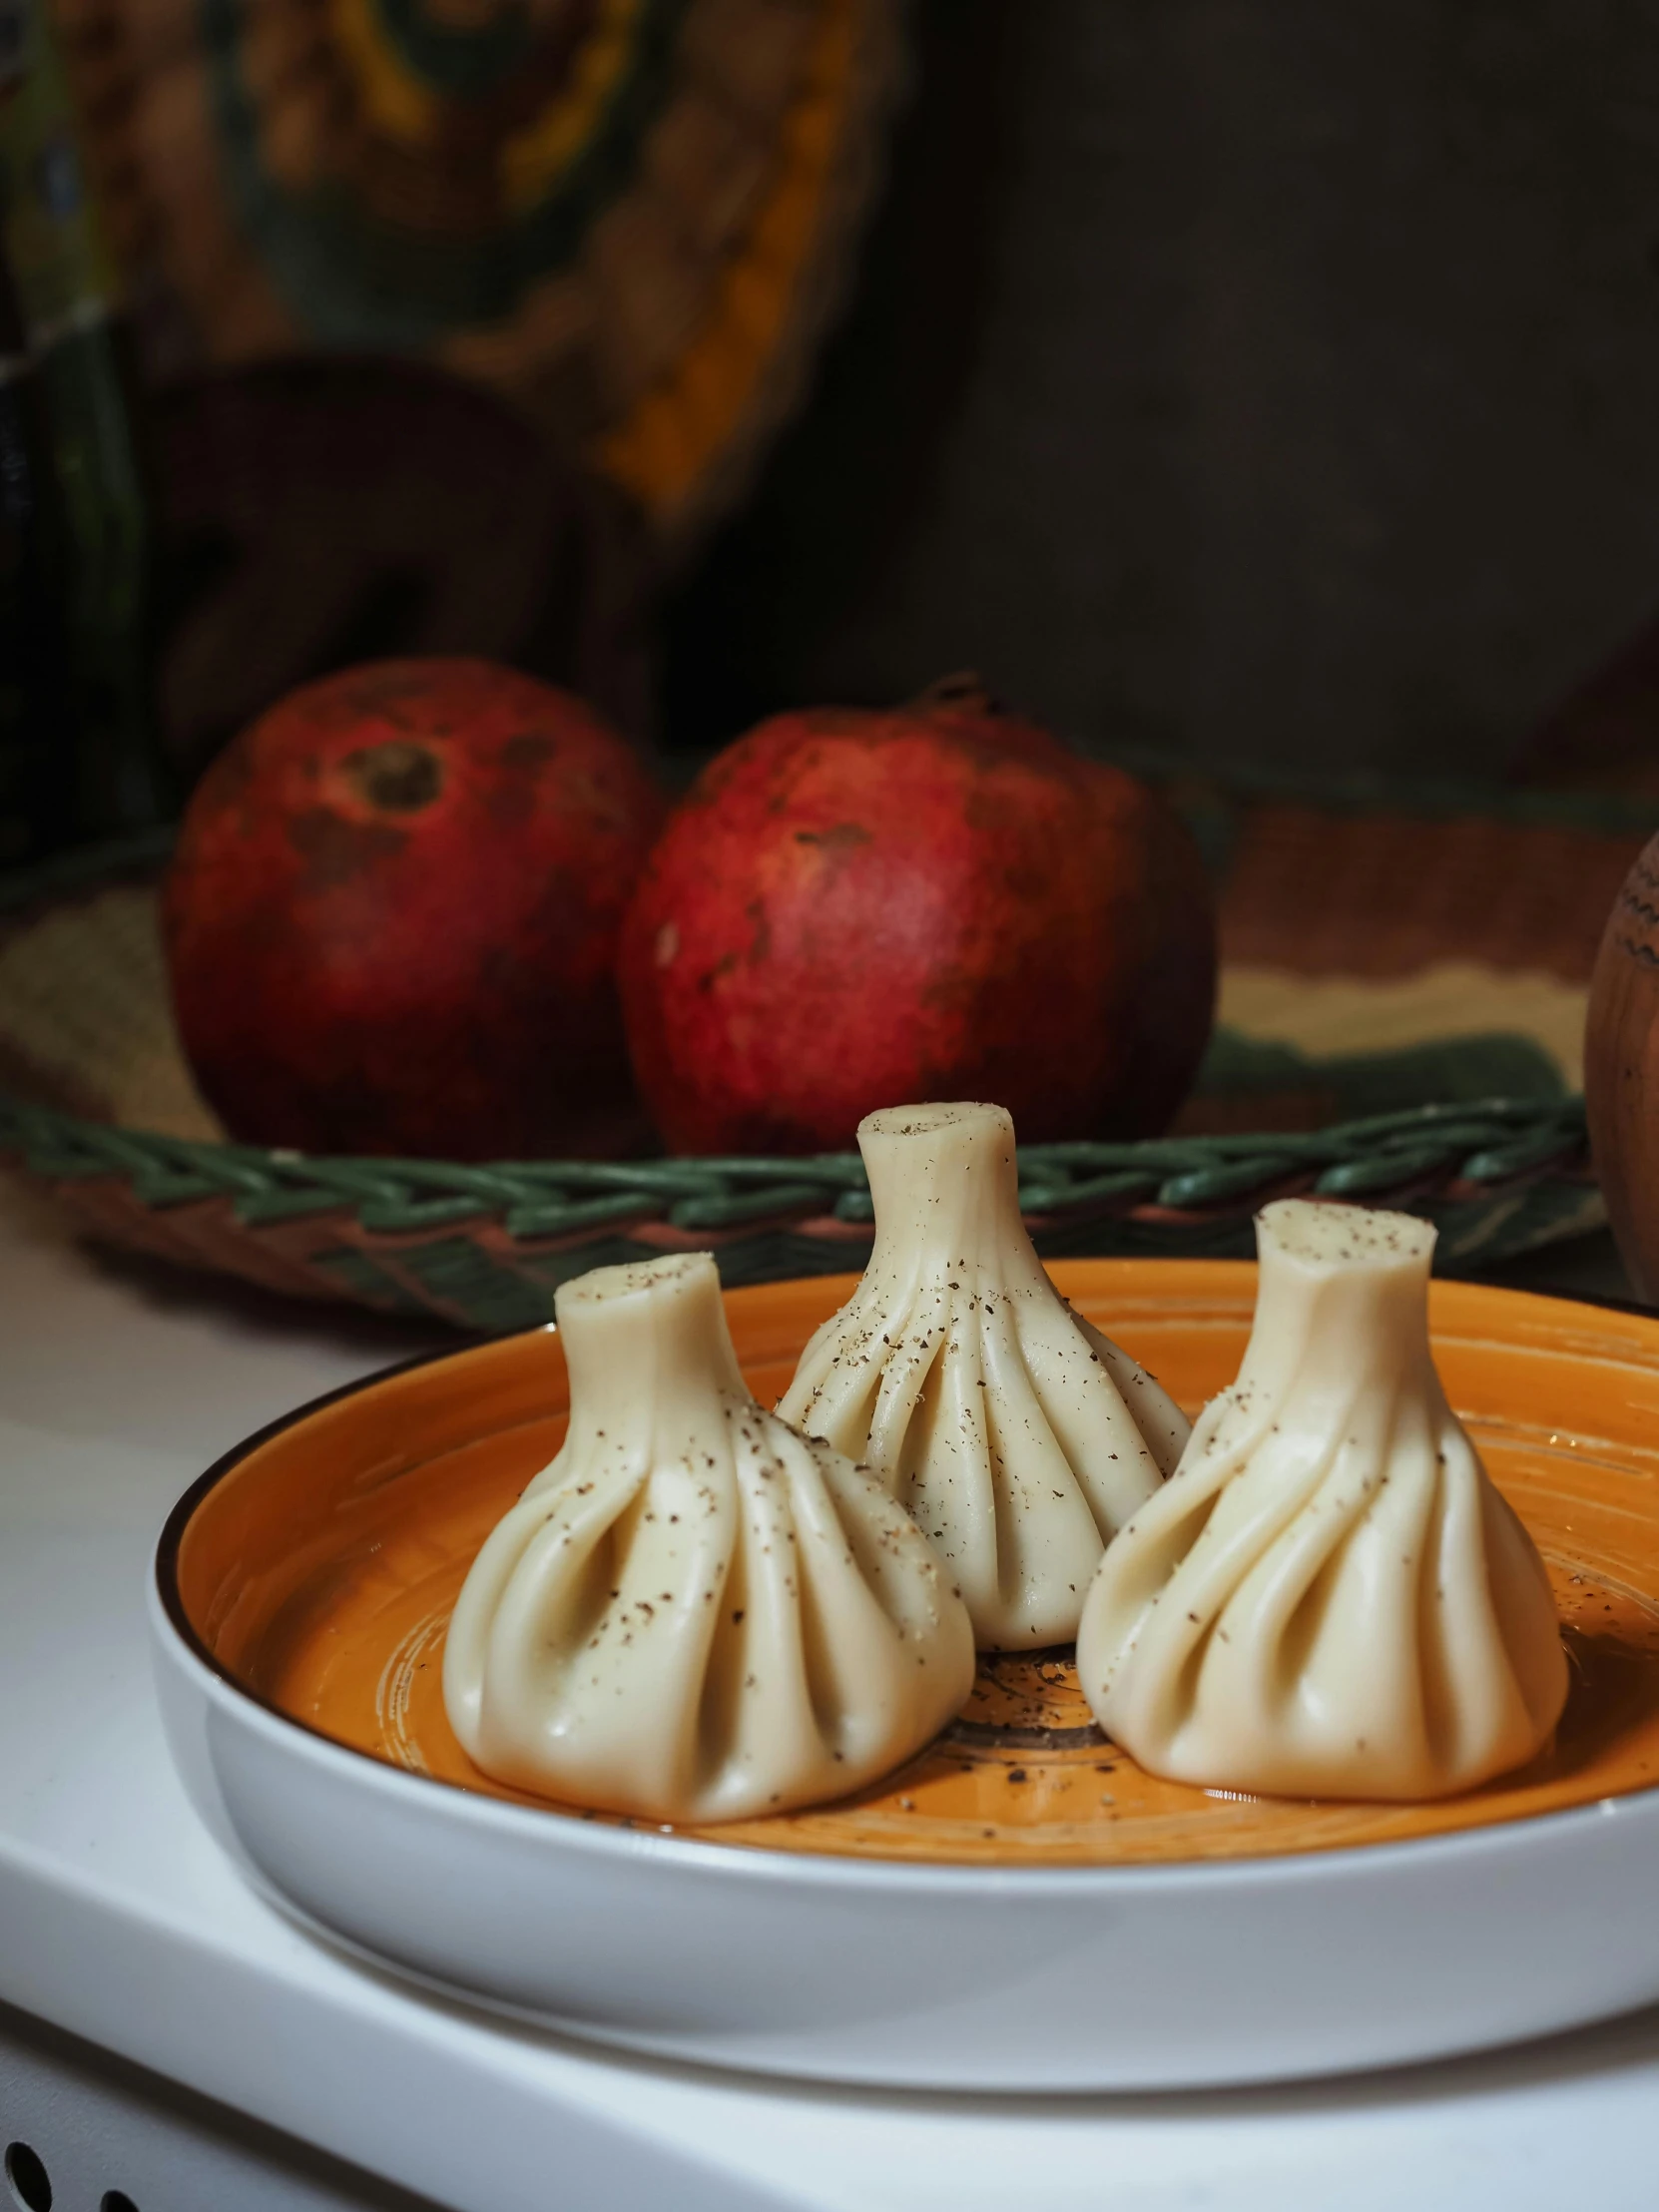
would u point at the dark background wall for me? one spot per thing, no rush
(1259, 379)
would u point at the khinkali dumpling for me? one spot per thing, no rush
(1018, 1436)
(693, 1614)
(1329, 1597)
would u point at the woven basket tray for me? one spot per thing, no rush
(96, 1105)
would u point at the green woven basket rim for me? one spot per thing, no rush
(1474, 1148)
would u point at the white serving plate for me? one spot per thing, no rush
(1001, 1976)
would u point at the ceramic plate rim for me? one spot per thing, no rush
(831, 1870)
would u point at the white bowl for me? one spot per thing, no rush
(994, 1975)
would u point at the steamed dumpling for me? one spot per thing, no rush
(692, 1613)
(1018, 1436)
(1329, 1597)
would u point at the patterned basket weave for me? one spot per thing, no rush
(86, 1049)
(487, 1247)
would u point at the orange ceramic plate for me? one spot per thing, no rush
(318, 1568)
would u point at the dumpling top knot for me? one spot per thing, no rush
(694, 1613)
(1018, 1436)
(1342, 1285)
(1332, 1237)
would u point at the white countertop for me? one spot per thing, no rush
(121, 1920)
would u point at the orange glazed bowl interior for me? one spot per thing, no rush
(316, 1570)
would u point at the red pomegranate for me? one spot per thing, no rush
(855, 909)
(392, 914)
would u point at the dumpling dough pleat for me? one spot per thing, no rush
(1329, 1597)
(1018, 1436)
(694, 1613)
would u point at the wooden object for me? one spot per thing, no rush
(1621, 1069)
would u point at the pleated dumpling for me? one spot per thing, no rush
(1018, 1436)
(693, 1614)
(1329, 1597)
